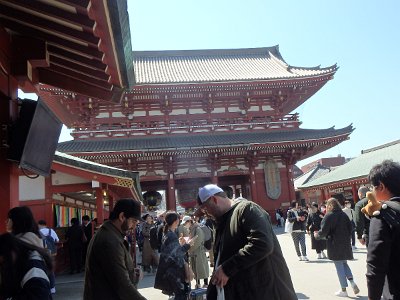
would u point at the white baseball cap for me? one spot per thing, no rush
(207, 191)
(186, 218)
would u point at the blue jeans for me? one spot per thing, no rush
(343, 272)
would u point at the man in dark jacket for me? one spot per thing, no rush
(110, 273)
(383, 260)
(73, 237)
(360, 220)
(87, 229)
(249, 263)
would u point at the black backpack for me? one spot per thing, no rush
(49, 243)
(154, 241)
(391, 213)
(208, 236)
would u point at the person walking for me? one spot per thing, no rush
(171, 275)
(88, 229)
(314, 220)
(22, 224)
(249, 263)
(336, 228)
(350, 214)
(383, 261)
(50, 240)
(298, 218)
(24, 269)
(149, 255)
(197, 253)
(75, 239)
(110, 272)
(360, 220)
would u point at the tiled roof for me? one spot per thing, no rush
(360, 166)
(193, 66)
(311, 175)
(94, 167)
(166, 142)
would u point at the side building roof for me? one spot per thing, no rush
(359, 167)
(197, 66)
(123, 179)
(312, 174)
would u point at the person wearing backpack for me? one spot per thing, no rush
(383, 260)
(50, 238)
(197, 252)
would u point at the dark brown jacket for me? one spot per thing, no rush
(251, 256)
(109, 272)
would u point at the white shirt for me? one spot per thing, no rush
(45, 232)
(349, 212)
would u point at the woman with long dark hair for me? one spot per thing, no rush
(170, 276)
(24, 270)
(22, 224)
(336, 228)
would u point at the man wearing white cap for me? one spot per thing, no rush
(249, 263)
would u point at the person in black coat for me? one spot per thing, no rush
(383, 260)
(360, 220)
(88, 231)
(336, 228)
(314, 224)
(74, 236)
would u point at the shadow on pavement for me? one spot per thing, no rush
(301, 296)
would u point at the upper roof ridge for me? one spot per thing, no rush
(380, 147)
(209, 52)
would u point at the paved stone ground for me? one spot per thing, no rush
(316, 279)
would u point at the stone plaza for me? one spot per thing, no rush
(315, 279)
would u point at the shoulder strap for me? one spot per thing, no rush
(391, 214)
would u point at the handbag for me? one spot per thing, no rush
(189, 275)
(288, 226)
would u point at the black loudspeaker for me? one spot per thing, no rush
(33, 138)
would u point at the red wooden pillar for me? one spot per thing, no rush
(323, 197)
(354, 192)
(171, 199)
(100, 205)
(290, 184)
(48, 200)
(9, 194)
(214, 177)
(111, 203)
(253, 185)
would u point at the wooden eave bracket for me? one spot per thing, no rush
(25, 68)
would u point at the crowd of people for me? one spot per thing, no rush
(235, 237)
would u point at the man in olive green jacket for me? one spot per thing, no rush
(109, 271)
(249, 263)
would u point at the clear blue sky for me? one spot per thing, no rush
(362, 37)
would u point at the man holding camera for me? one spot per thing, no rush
(248, 258)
